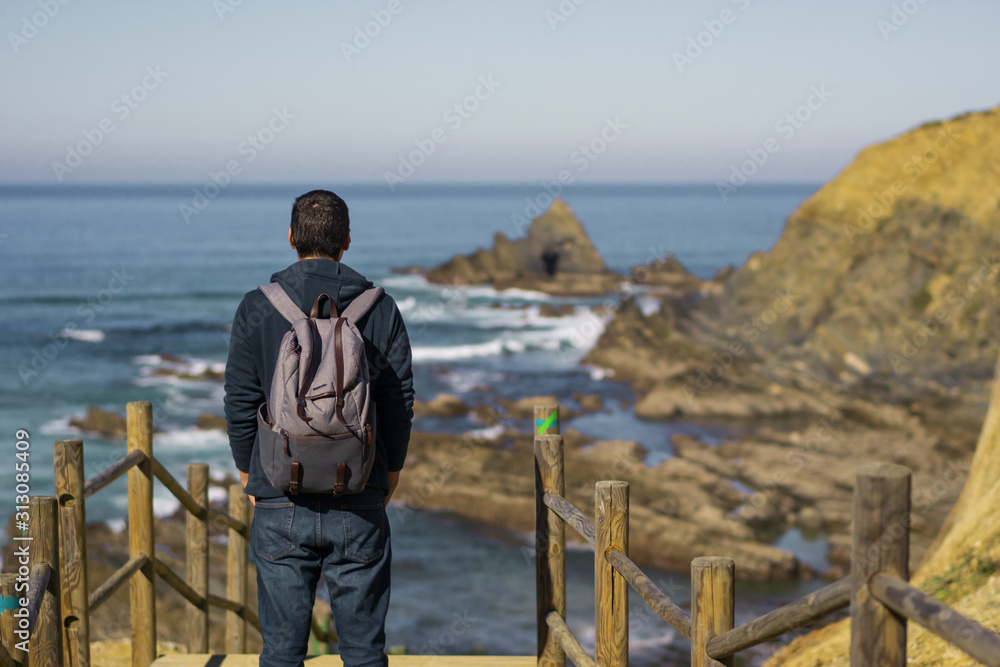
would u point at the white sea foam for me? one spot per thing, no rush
(648, 305)
(406, 304)
(464, 379)
(598, 373)
(405, 281)
(192, 437)
(57, 426)
(84, 335)
(116, 525)
(523, 330)
(151, 367)
(427, 353)
(488, 433)
(165, 505)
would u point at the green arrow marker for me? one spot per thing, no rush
(544, 424)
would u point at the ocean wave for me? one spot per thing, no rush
(418, 283)
(422, 353)
(464, 379)
(192, 438)
(84, 335)
(168, 369)
(578, 332)
(58, 426)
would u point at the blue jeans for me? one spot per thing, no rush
(297, 538)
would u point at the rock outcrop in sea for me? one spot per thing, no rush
(555, 256)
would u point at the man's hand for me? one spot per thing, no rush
(244, 478)
(393, 483)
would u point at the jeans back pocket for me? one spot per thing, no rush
(365, 529)
(271, 530)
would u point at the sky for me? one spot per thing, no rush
(425, 91)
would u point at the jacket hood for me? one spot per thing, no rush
(295, 276)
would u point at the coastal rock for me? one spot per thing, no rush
(667, 272)
(679, 509)
(589, 402)
(562, 310)
(442, 405)
(208, 422)
(556, 256)
(524, 408)
(101, 422)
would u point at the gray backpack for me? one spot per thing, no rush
(317, 428)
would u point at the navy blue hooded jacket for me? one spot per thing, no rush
(253, 351)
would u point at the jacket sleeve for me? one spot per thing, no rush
(244, 392)
(393, 391)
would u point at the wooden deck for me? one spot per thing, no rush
(251, 660)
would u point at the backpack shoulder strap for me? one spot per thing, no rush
(279, 299)
(362, 304)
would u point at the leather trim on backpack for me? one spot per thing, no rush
(338, 351)
(339, 487)
(293, 484)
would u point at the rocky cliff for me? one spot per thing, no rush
(884, 282)
(868, 333)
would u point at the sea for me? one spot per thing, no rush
(105, 286)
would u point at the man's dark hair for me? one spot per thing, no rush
(320, 224)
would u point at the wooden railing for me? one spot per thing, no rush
(60, 606)
(880, 598)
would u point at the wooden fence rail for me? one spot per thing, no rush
(59, 604)
(877, 591)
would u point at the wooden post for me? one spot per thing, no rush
(73, 592)
(610, 588)
(197, 558)
(550, 547)
(881, 543)
(546, 420)
(9, 622)
(713, 606)
(45, 646)
(142, 584)
(236, 584)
